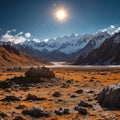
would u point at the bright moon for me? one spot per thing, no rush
(61, 15)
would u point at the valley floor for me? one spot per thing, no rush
(90, 81)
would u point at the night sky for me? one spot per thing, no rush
(36, 16)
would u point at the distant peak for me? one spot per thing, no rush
(111, 30)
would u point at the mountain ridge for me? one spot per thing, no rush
(107, 54)
(66, 48)
(10, 56)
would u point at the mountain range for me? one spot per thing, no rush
(107, 54)
(75, 48)
(10, 56)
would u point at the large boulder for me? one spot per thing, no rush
(37, 72)
(110, 97)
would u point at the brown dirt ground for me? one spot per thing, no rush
(80, 79)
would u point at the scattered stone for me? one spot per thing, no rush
(11, 98)
(59, 112)
(57, 94)
(14, 69)
(65, 85)
(81, 110)
(79, 91)
(103, 73)
(90, 99)
(32, 97)
(3, 115)
(60, 100)
(69, 81)
(36, 112)
(38, 72)
(19, 118)
(66, 111)
(84, 104)
(73, 96)
(21, 107)
(110, 96)
(14, 86)
(91, 80)
(62, 111)
(91, 91)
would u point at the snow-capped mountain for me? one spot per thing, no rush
(107, 54)
(72, 43)
(111, 30)
(66, 48)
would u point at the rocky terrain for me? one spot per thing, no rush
(59, 93)
(11, 56)
(107, 54)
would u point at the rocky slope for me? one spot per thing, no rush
(107, 54)
(10, 56)
(66, 48)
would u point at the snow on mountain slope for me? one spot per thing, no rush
(111, 30)
(107, 54)
(66, 44)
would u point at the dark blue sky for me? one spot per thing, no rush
(36, 16)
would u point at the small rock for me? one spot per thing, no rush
(90, 99)
(103, 73)
(58, 112)
(73, 96)
(20, 107)
(31, 97)
(91, 91)
(19, 118)
(36, 112)
(66, 111)
(62, 111)
(65, 85)
(91, 80)
(11, 98)
(79, 91)
(57, 94)
(69, 81)
(3, 115)
(60, 100)
(81, 110)
(84, 104)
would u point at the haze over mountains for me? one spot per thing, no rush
(88, 49)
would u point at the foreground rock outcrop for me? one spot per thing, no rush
(33, 77)
(38, 72)
(110, 96)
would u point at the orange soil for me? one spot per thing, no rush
(80, 80)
